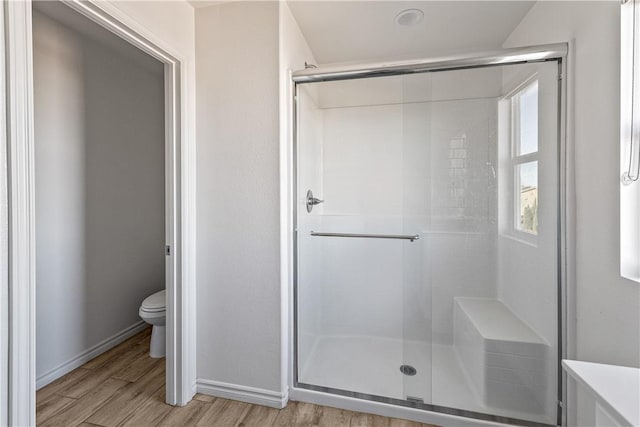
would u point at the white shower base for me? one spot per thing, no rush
(371, 365)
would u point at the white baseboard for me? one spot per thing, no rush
(85, 356)
(257, 396)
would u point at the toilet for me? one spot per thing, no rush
(153, 311)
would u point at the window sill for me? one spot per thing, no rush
(524, 239)
(631, 278)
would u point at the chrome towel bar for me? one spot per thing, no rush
(410, 237)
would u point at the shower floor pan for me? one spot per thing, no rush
(371, 365)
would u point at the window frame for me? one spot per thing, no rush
(515, 160)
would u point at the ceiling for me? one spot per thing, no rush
(355, 31)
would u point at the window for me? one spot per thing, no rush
(630, 141)
(524, 158)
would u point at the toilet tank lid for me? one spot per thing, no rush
(156, 301)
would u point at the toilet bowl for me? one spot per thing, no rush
(153, 311)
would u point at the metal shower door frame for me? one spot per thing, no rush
(531, 54)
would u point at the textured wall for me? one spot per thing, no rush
(238, 304)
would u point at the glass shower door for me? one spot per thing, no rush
(427, 270)
(353, 246)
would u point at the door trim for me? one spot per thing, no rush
(179, 204)
(18, 91)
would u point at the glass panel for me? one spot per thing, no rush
(494, 305)
(357, 344)
(469, 309)
(350, 293)
(416, 136)
(527, 197)
(528, 120)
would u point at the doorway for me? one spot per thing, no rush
(99, 185)
(19, 386)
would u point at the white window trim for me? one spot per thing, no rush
(511, 230)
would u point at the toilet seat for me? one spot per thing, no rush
(153, 311)
(155, 303)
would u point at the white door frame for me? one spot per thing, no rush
(16, 89)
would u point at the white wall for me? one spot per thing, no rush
(238, 309)
(99, 133)
(245, 53)
(607, 312)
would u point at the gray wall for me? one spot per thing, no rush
(99, 133)
(238, 264)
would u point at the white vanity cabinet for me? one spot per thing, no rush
(606, 395)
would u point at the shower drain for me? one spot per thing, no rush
(408, 370)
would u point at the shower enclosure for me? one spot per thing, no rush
(428, 234)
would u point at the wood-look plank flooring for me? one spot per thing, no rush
(125, 387)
